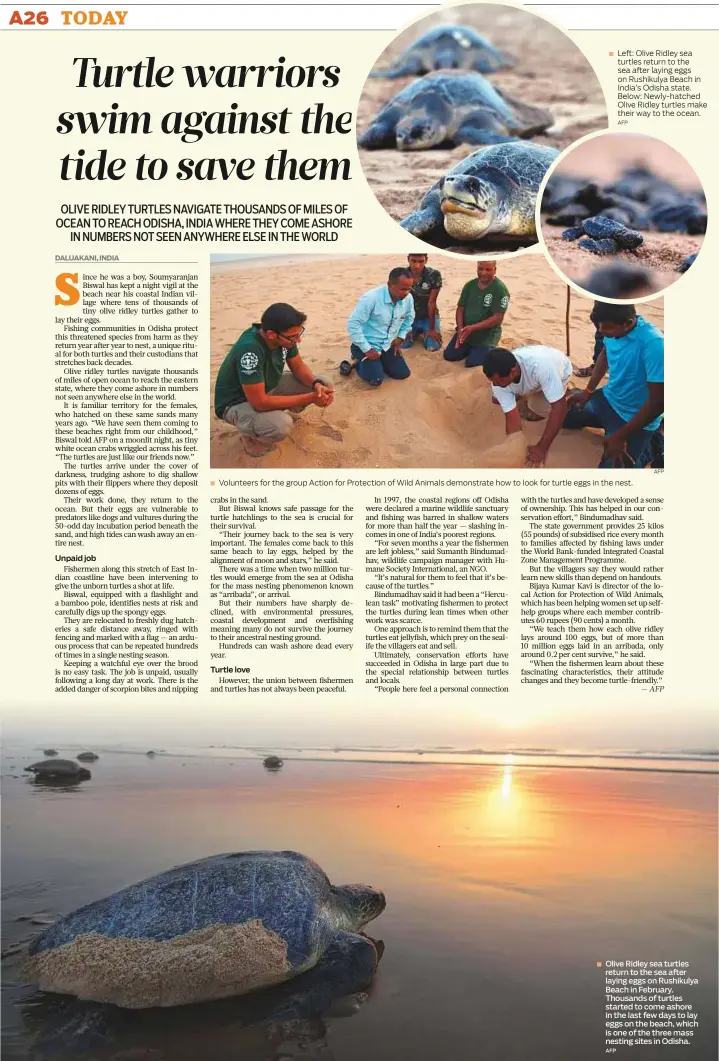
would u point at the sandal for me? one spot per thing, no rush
(583, 372)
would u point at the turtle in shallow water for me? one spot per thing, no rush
(220, 927)
(58, 769)
(452, 109)
(88, 757)
(447, 47)
(492, 192)
(273, 762)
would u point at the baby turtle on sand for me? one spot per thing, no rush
(688, 261)
(58, 768)
(491, 192)
(605, 235)
(273, 762)
(211, 929)
(88, 757)
(452, 109)
(447, 48)
(50, 751)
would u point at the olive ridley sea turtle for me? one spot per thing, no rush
(447, 47)
(54, 769)
(452, 109)
(492, 192)
(211, 929)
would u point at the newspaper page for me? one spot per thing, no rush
(359, 694)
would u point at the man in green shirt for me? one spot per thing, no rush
(480, 312)
(253, 392)
(426, 283)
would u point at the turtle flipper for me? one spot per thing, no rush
(378, 134)
(423, 221)
(490, 60)
(412, 64)
(482, 127)
(347, 966)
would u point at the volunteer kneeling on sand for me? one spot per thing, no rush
(426, 284)
(630, 406)
(380, 322)
(253, 392)
(530, 370)
(480, 312)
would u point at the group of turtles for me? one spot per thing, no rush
(491, 192)
(608, 218)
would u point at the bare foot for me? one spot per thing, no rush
(255, 448)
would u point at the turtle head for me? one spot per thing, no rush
(416, 132)
(354, 905)
(449, 52)
(469, 206)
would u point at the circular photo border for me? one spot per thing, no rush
(542, 243)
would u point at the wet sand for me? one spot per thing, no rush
(661, 252)
(550, 71)
(442, 416)
(504, 888)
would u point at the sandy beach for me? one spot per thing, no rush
(661, 252)
(505, 886)
(443, 416)
(550, 71)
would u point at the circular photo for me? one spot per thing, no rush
(623, 215)
(462, 116)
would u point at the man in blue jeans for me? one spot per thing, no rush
(378, 326)
(630, 406)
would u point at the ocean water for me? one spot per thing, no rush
(508, 877)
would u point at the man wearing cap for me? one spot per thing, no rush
(378, 326)
(539, 371)
(253, 392)
(630, 406)
(480, 312)
(426, 284)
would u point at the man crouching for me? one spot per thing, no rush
(253, 392)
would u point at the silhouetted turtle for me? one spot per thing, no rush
(58, 768)
(87, 757)
(50, 751)
(452, 109)
(447, 48)
(273, 762)
(211, 929)
(491, 192)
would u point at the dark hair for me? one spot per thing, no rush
(417, 254)
(395, 274)
(610, 312)
(279, 316)
(498, 362)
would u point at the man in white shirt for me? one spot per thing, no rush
(530, 370)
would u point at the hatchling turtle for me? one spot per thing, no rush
(493, 192)
(54, 769)
(49, 752)
(447, 47)
(273, 762)
(87, 757)
(452, 109)
(222, 926)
